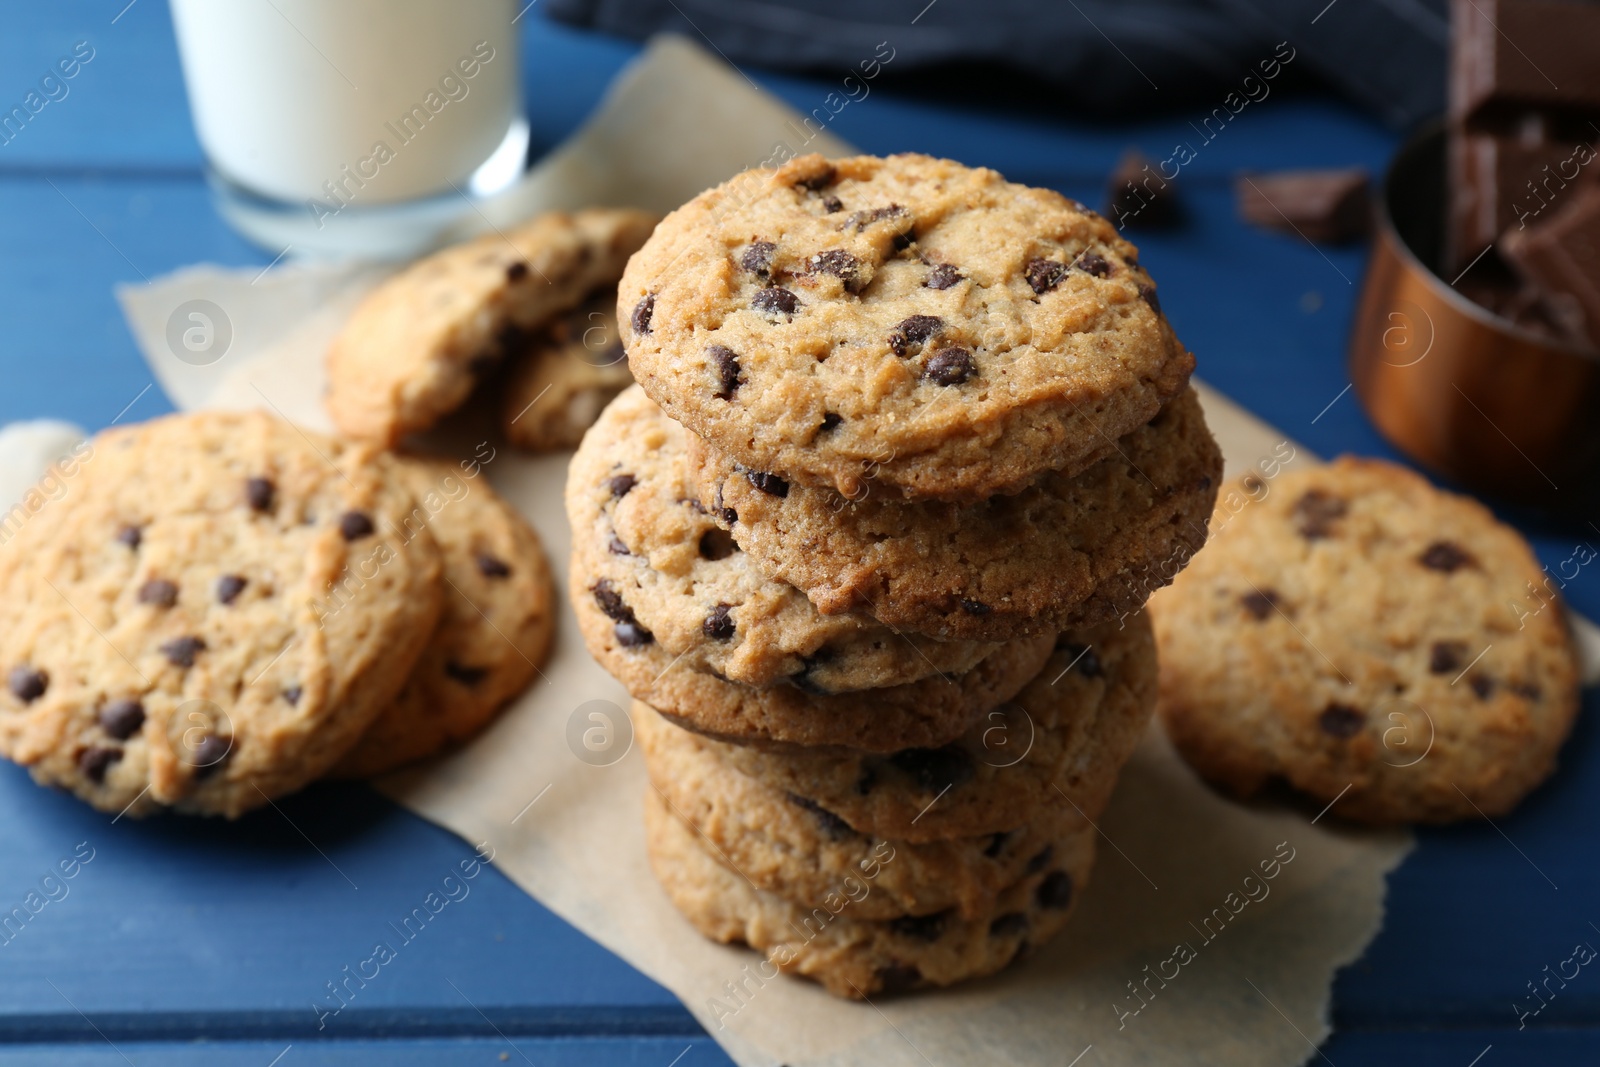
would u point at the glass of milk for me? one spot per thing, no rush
(354, 127)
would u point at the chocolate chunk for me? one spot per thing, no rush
(725, 371)
(1055, 891)
(490, 566)
(229, 586)
(642, 311)
(949, 366)
(260, 493)
(631, 635)
(1148, 294)
(209, 755)
(121, 718)
(158, 592)
(1329, 206)
(1341, 720)
(28, 684)
(1447, 657)
(1010, 924)
(463, 673)
(1482, 685)
(480, 365)
(93, 762)
(862, 219)
(1040, 860)
(830, 421)
(517, 271)
(1093, 263)
(130, 536)
(354, 525)
(976, 607)
(935, 769)
(943, 276)
(867, 781)
(292, 694)
(770, 484)
(1138, 195)
(775, 300)
(996, 843)
(620, 484)
(840, 264)
(717, 544)
(831, 824)
(181, 651)
(907, 338)
(1316, 512)
(757, 259)
(896, 978)
(1560, 257)
(1527, 690)
(616, 546)
(920, 927)
(1503, 179)
(1082, 657)
(1259, 603)
(821, 179)
(830, 204)
(1044, 274)
(610, 601)
(1446, 556)
(1523, 53)
(719, 625)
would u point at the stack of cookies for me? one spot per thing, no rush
(868, 544)
(223, 607)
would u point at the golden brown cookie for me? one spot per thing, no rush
(558, 384)
(1371, 640)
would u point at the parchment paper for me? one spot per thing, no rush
(1175, 861)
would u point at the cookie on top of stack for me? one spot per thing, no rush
(868, 544)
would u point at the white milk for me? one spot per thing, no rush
(336, 107)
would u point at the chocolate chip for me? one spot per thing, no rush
(1526, 690)
(616, 546)
(830, 421)
(130, 536)
(1447, 656)
(1446, 556)
(975, 607)
(717, 544)
(1044, 274)
(920, 927)
(1082, 657)
(259, 493)
(942, 276)
(907, 338)
(866, 781)
(770, 484)
(631, 635)
(725, 370)
(1259, 603)
(1148, 292)
(354, 525)
(1341, 720)
(840, 264)
(466, 675)
(480, 365)
(757, 259)
(158, 592)
(835, 827)
(830, 204)
(935, 769)
(209, 755)
(121, 718)
(229, 586)
(94, 761)
(1482, 685)
(642, 311)
(896, 978)
(620, 484)
(292, 694)
(181, 651)
(949, 366)
(1055, 891)
(1009, 925)
(775, 300)
(1094, 263)
(862, 219)
(719, 625)
(517, 271)
(996, 843)
(1040, 860)
(490, 566)
(821, 179)
(28, 684)
(1316, 512)
(610, 601)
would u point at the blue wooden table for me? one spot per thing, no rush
(197, 942)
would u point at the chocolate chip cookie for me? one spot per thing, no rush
(1098, 543)
(1058, 745)
(788, 845)
(651, 557)
(494, 630)
(211, 615)
(849, 954)
(1381, 645)
(558, 384)
(417, 345)
(909, 322)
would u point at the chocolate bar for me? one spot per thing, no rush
(1139, 195)
(1560, 257)
(1321, 205)
(1521, 54)
(1502, 181)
